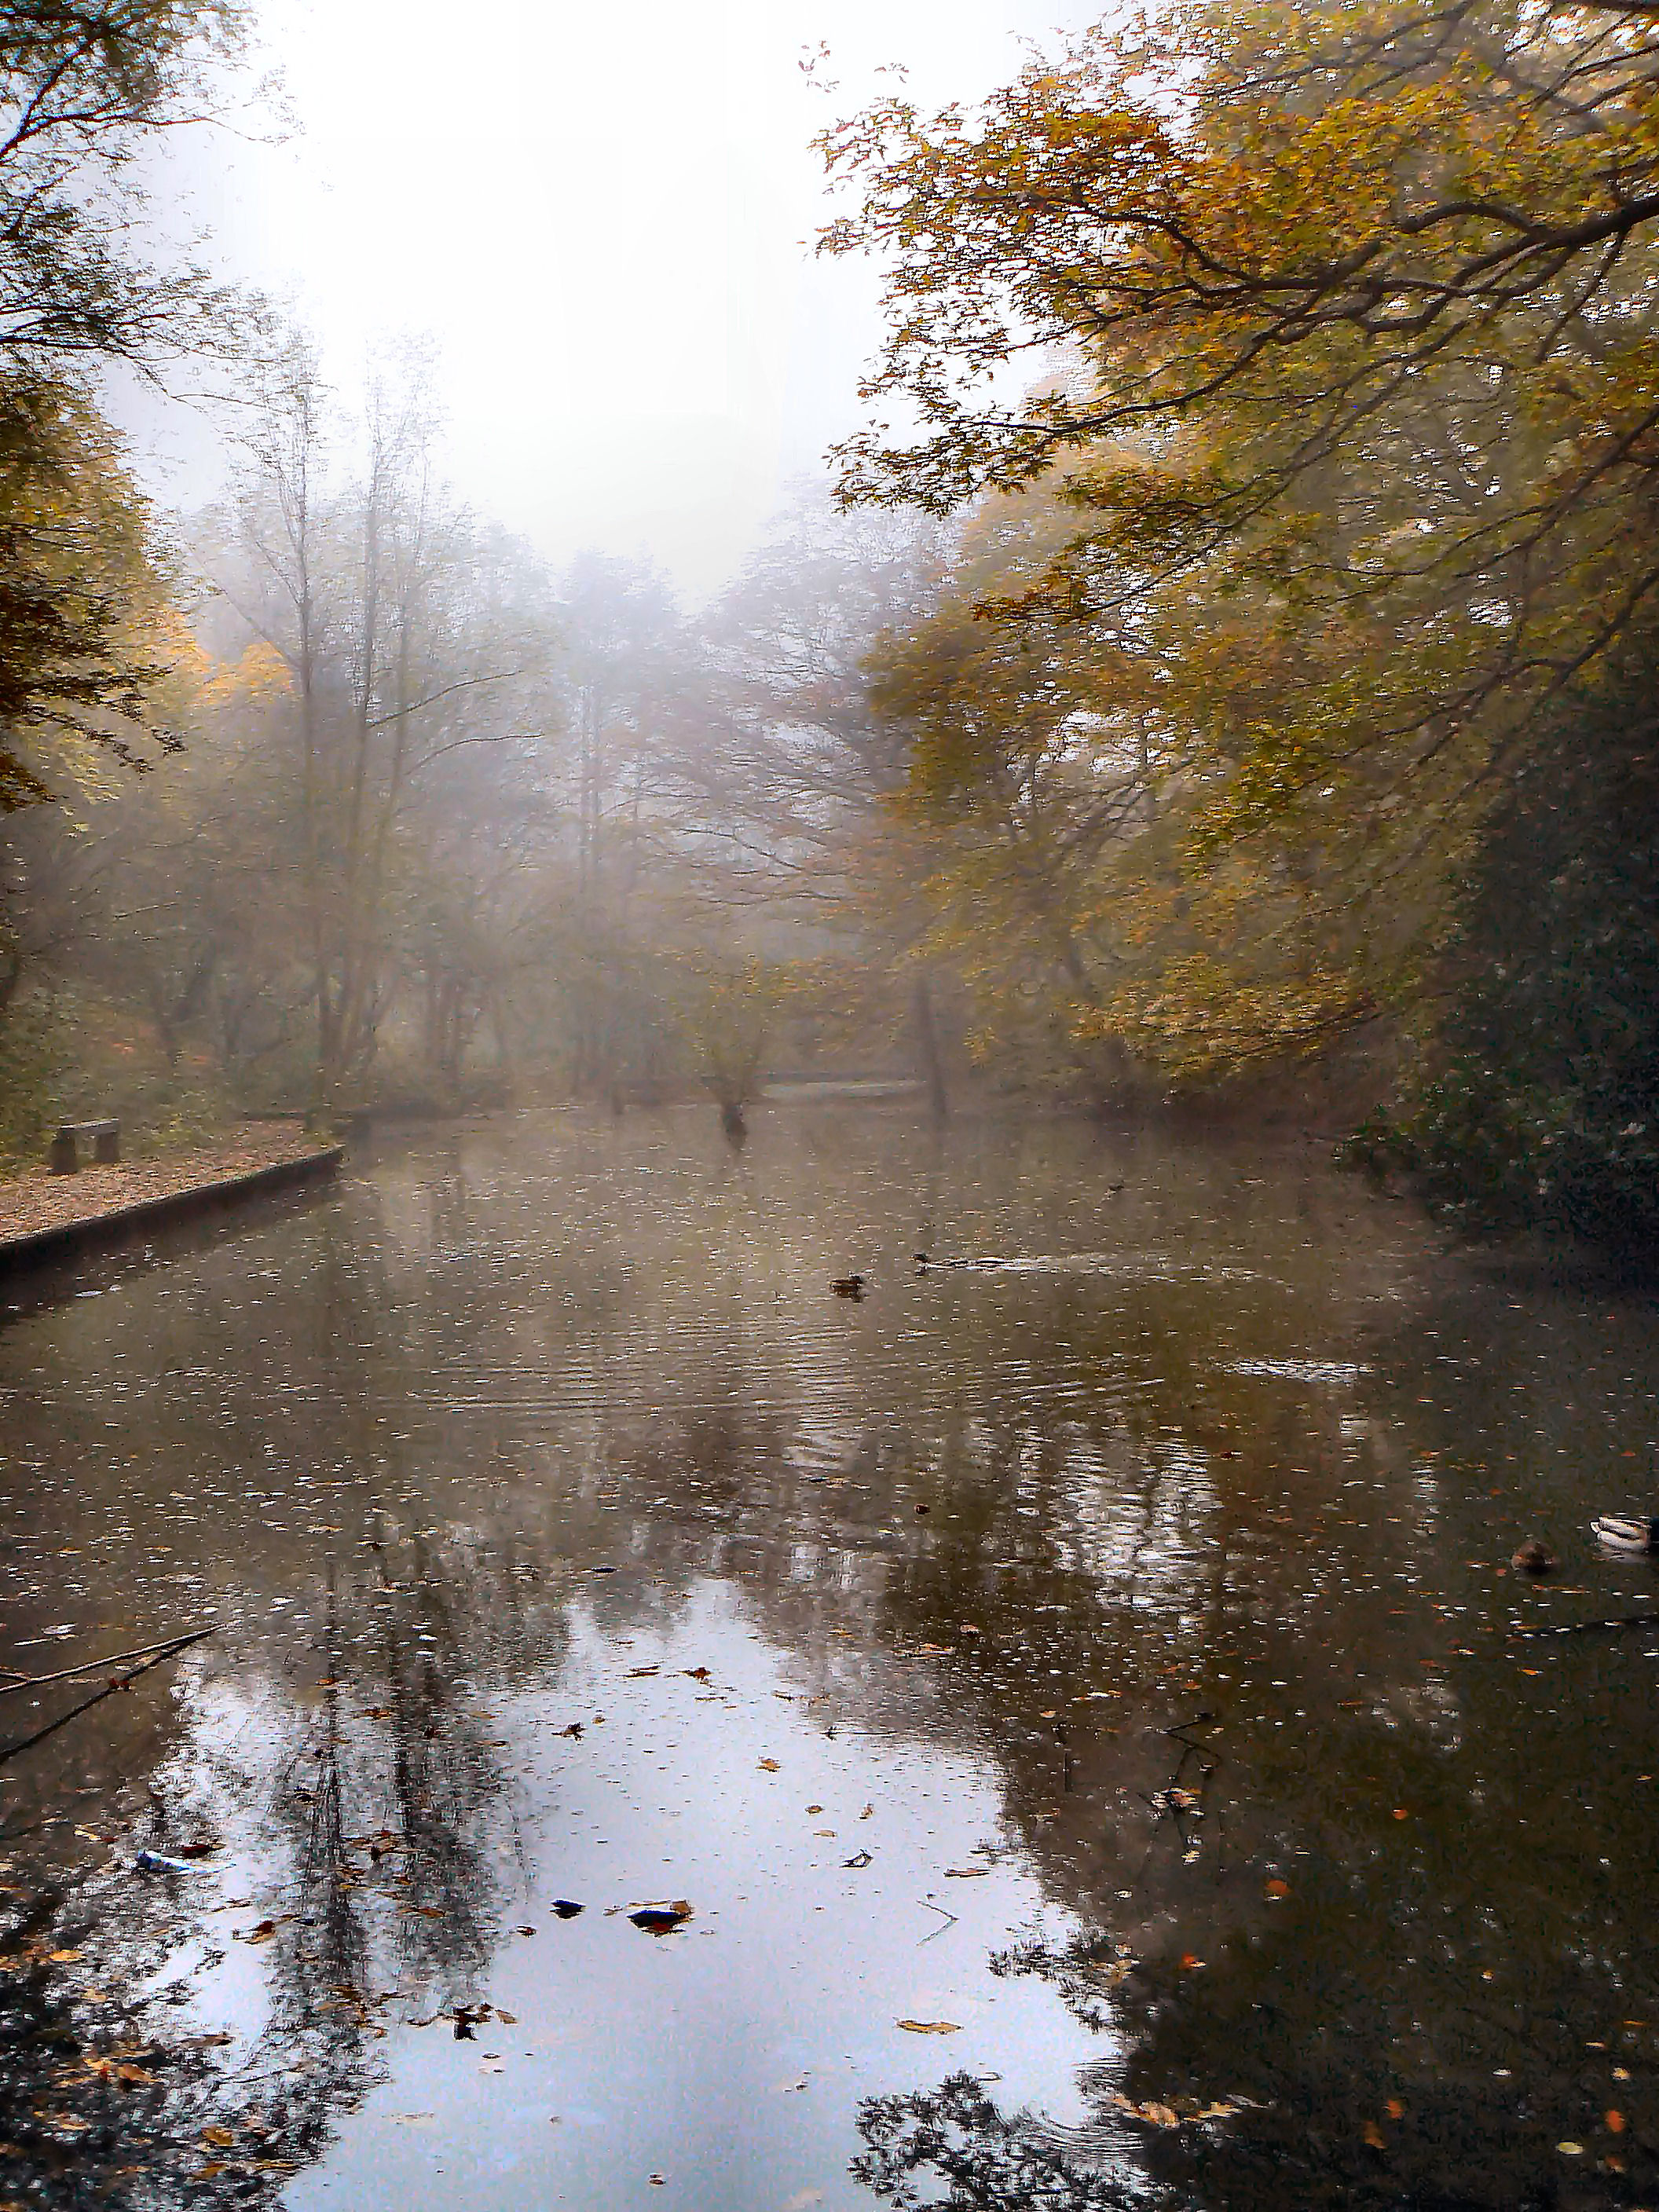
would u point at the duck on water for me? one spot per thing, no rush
(1637, 1535)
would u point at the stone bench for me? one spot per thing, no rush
(104, 1137)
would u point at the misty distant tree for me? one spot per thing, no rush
(794, 768)
(373, 592)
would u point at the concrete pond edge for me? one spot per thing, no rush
(96, 1232)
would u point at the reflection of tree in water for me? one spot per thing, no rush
(378, 1801)
(986, 2161)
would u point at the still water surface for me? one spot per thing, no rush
(1081, 1700)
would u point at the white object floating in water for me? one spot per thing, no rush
(1619, 1532)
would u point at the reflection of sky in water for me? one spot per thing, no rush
(976, 1553)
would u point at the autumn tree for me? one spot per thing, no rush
(1356, 302)
(86, 88)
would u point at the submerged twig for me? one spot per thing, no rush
(949, 1919)
(117, 1682)
(112, 1659)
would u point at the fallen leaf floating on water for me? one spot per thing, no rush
(661, 1919)
(932, 2026)
(815, 1808)
(1181, 2113)
(117, 2070)
(769, 1766)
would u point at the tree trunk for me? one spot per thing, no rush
(927, 1051)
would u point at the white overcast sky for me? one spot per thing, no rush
(600, 214)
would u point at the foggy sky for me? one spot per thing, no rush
(600, 216)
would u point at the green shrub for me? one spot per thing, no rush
(1536, 1100)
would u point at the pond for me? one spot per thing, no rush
(1068, 1721)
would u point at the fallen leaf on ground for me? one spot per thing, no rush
(634, 1673)
(220, 2138)
(769, 1766)
(859, 1859)
(1373, 2136)
(262, 1933)
(696, 1673)
(1614, 2122)
(966, 1874)
(65, 1958)
(566, 1907)
(1278, 1888)
(931, 2027)
(1395, 2109)
(1571, 2149)
(815, 1808)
